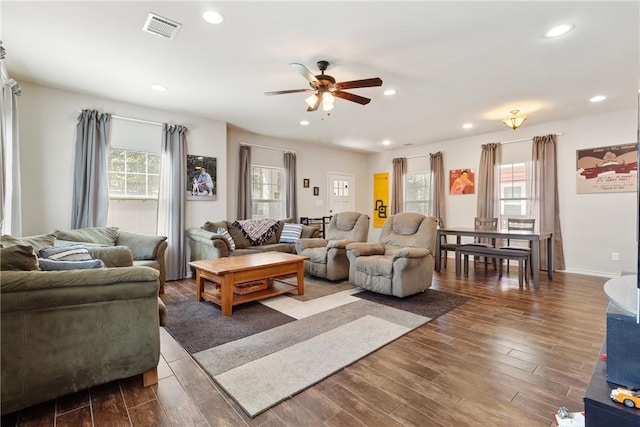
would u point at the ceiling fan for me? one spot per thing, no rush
(326, 88)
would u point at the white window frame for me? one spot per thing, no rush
(146, 174)
(279, 202)
(524, 186)
(410, 204)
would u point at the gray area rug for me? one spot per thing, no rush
(260, 356)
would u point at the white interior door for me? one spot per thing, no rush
(341, 193)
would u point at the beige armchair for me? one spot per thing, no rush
(402, 263)
(328, 257)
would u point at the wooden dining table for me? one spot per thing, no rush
(532, 236)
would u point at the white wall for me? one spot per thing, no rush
(48, 119)
(593, 225)
(312, 161)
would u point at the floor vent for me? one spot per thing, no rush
(160, 26)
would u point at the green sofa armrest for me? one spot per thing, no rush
(142, 246)
(206, 244)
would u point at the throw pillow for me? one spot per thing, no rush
(224, 233)
(37, 242)
(290, 233)
(18, 258)
(103, 235)
(66, 253)
(53, 265)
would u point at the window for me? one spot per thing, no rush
(417, 192)
(515, 191)
(133, 174)
(268, 196)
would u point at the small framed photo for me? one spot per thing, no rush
(316, 191)
(305, 183)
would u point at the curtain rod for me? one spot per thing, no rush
(527, 139)
(506, 142)
(268, 148)
(131, 119)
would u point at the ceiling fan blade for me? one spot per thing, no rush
(316, 105)
(351, 97)
(304, 72)
(376, 81)
(282, 92)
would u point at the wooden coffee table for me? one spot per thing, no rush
(231, 271)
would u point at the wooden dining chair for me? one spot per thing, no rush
(445, 246)
(485, 224)
(519, 224)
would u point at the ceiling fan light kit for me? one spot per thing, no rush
(326, 89)
(515, 121)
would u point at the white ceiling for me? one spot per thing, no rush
(451, 62)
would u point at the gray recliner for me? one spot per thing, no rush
(402, 263)
(327, 257)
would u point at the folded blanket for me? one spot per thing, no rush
(257, 231)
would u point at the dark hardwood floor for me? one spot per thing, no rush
(509, 357)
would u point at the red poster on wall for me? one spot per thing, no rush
(461, 181)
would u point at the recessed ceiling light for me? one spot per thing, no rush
(212, 17)
(559, 30)
(304, 122)
(598, 98)
(467, 125)
(386, 142)
(158, 88)
(390, 92)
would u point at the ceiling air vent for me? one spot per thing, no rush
(160, 26)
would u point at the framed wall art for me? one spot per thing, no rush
(316, 191)
(202, 182)
(461, 181)
(609, 169)
(305, 183)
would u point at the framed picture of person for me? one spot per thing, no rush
(316, 191)
(461, 181)
(202, 182)
(305, 183)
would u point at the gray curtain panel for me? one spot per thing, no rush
(171, 199)
(397, 189)
(545, 206)
(438, 185)
(290, 185)
(10, 187)
(488, 196)
(244, 183)
(90, 185)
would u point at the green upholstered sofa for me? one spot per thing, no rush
(146, 250)
(205, 243)
(64, 331)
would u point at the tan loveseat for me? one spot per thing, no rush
(64, 331)
(206, 243)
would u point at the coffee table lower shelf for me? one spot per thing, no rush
(277, 287)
